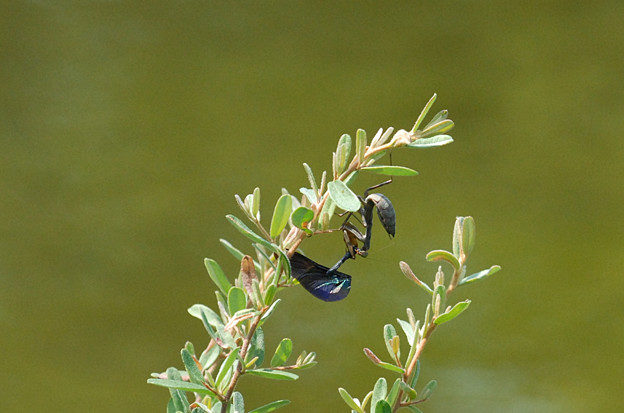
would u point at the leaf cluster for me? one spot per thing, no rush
(235, 328)
(402, 393)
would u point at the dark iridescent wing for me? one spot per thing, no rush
(314, 277)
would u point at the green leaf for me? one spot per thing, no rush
(282, 352)
(342, 153)
(281, 213)
(439, 140)
(236, 253)
(349, 400)
(360, 144)
(438, 128)
(468, 235)
(408, 330)
(351, 178)
(226, 366)
(181, 385)
(382, 406)
(390, 170)
(480, 275)
(213, 318)
(415, 375)
(381, 137)
(452, 313)
(257, 293)
(427, 391)
(414, 409)
(367, 399)
(194, 371)
(391, 367)
(255, 204)
(440, 291)
(412, 277)
(256, 347)
(457, 236)
(273, 374)
(269, 407)
(270, 294)
(178, 397)
(343, 196)
(238, 404)
(310, 177)
(310, 194)
(301, 217)
(244, 229)
(394, 392)
(379, 393)
(410, 392)
(326, 213)
(211, 331)
(171, 406)
(217, 275)
(389, 332)
(209, 356)
(237, 300)
(441, 115)
(443, 255)
(424, 112)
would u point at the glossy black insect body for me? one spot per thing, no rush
(322, 282)
(353, 236)
(385, 212)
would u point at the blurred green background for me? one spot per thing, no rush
(126, 128)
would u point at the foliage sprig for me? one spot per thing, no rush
(236, 345)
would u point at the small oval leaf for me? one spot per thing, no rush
(238, 404)
(480, 275)
(301, 217)
(379, 393)
(439, 140)
(360, 144)
(226, 365)
(391, 170)
(438, 128)
(237, 300)
(190, 364)
(181, 385)
(349, 400)
(427, 391)
(217, 275)
(442, 255)
(424, 112)
(342, 153)
(343, 197)
(281, 213)
(310, 194)
(383, 407)
(282, 352)
(246, 231)
(269, 407)
(391, 367)
(273, 374)
(452, 313)
(468, 235)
